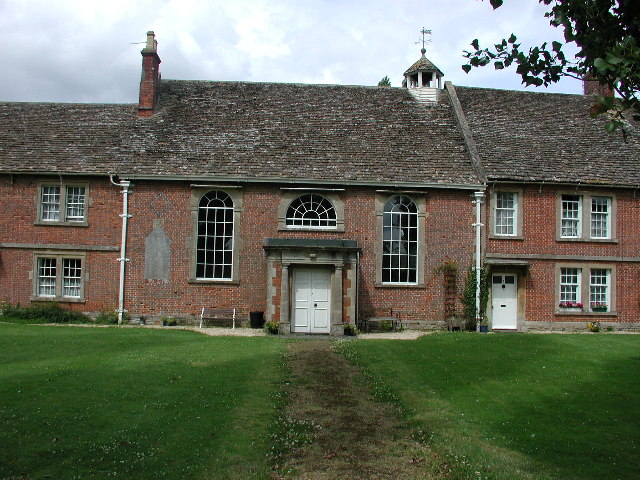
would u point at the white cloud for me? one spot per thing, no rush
(72, 50)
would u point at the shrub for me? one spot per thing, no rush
(469, 295)
(48, 312)
(385, 326)
(169, 322)
(593, 326)
(107, 317)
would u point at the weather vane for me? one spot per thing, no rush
(425, 41)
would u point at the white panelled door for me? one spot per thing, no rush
(504, 301)
(311, 300)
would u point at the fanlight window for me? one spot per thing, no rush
(400, 240)
(311, 211)
(214, 256)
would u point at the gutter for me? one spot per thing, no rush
(125, 185)
(202, 179)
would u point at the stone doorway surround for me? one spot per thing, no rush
(283, 255)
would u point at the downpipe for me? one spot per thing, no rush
(125, 185)
(478, 200)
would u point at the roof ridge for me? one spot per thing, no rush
(466, 131)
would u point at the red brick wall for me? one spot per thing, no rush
(448, 234)
(539, 238)
(17, 225)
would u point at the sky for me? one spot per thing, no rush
(89, 50)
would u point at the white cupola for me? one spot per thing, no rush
(423, 79)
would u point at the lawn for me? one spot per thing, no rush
(517, 406)
(135, 403)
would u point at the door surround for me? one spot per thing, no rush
(284, 255)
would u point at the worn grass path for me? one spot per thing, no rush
(350, 434)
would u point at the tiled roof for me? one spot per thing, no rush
(530, 136)
(245, 131)
(421, 65)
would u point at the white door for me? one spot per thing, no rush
(311, 300)
(504, 301)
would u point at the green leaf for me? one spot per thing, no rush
(466, 68)
(611, 126)
(475, 44)
(496, 3)
(602, 65)
(512, 38)
(608, 102)
(556, 46)
(613, 60)
(499, 65)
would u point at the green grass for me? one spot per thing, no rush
(135, 403)
(517, 406)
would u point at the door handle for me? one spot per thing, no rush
(315, 305)
(503, 306)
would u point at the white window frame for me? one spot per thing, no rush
(291, 194)
(603, 217)
(589, 290)
(575, 219)
(59, 274)
(215, 237)
(513, 210)
(570, 287)
(587, 217)
(600, 291)
(65, 207)
(401, 244)
(318, 206)
(197, 194)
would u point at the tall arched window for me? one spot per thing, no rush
(311, 210)
(214, 256)
(400, 240)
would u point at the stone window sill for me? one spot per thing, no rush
(58, 299)
(204, 281)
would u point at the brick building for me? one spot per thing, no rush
(321, 205)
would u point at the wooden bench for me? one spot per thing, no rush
(221, 315)
(377, 323)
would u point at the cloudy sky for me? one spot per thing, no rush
(89, 50)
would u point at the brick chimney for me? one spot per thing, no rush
(591, 86)
(150, 81)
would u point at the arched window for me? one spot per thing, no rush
(400, 240)
(214, 255)
(311, 210)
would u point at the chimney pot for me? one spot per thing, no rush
(152, 45)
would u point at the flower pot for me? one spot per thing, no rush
(484, 328)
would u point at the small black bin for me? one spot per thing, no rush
(256, 319)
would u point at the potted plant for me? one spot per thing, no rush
(599, 307)
(484, 325)
(350, 330)
(594, 326)
(571, 306)
(272, 327)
